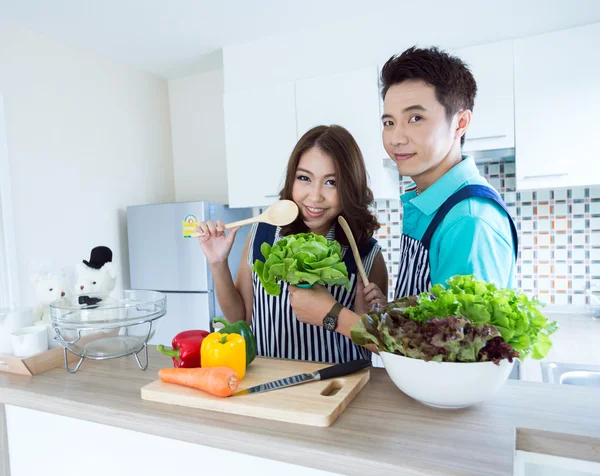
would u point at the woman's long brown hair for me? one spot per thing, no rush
(351, 181)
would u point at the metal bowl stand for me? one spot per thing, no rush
(65, 344)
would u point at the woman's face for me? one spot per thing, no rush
(315, 191)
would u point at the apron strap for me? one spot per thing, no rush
(482, 191)
(265, 233)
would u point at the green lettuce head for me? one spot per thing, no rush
(301, 258)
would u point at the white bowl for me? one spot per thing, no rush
(446, 384)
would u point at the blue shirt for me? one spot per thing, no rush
(474, 238)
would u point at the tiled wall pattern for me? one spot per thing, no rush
(559, 236)
(388, 236)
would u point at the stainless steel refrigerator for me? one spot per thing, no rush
(163, 257)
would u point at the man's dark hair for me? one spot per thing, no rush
(455, 86)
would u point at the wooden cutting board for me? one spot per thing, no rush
(315, 403)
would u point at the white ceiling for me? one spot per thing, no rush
(169, 38)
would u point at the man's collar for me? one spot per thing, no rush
(436, 194)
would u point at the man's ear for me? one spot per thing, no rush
(464, 120)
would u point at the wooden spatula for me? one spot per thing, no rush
(281, 213)
(361, 269)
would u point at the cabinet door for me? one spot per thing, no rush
(260, 134)
(350, 100)
(538, 464)
(492, 126)
(557, 99)
(123, 451)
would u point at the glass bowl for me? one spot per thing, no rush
(100, 326)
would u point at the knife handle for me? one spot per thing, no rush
(346, 368)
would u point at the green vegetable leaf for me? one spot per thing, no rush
(265, 250)
(517, 317)
(451, 339)
(301, 258)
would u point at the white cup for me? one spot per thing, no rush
(29, 341)
(11, 320)
(52, 342)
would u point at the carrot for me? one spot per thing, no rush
(219, 381)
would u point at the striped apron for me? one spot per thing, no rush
(279, 333)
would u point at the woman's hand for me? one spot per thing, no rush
(311, 305)
(367, 297)
(215, 244)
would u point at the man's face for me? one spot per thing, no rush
(417, 134)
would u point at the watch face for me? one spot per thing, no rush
(330, 323)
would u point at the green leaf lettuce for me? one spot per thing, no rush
(517, 317)
(301, 258)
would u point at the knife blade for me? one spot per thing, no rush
(334, 371)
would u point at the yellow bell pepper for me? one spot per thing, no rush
(224, 350)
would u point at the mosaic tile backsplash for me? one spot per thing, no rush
(559, 236)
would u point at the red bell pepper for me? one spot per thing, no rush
(185, 349)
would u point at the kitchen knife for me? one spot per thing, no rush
(333, 371)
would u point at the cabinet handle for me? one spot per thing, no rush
(527, 177)
(471, 139)
(272, 195)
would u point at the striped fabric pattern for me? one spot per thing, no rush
(280, 334)
(413, 274)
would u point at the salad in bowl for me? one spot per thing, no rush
(456, 344)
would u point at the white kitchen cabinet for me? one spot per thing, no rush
(537, 464)
(97, 450)
(349, 99)
(492, 125)
(557, 99)
(198, 137)
(260, 134)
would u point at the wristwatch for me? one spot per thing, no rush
(330, 321)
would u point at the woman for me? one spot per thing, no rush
(326, 177)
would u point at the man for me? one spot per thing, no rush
(453, 221)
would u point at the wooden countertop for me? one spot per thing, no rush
(382, 431)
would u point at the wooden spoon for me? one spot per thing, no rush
(361, 269)
(281, 213)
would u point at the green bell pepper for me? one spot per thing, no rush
(243, 329)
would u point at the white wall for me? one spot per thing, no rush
(198, 132)
(86, 138)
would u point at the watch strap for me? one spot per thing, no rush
(335, 310)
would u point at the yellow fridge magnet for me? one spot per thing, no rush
(189, 226)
